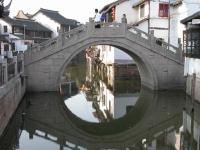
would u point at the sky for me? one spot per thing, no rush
(80, 10)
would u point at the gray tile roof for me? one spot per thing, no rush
(29, 24)
(54, 15)
(189, 18)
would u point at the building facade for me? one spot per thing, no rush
(54, 21)
(21, 33)
(158, 17)
(192, 54)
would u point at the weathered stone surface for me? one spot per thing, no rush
(10, 96)
(159, 67)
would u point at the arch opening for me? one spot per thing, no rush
(99, 78)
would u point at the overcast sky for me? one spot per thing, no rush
(80, 10)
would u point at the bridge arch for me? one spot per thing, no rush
(147, 72)
(160, 66)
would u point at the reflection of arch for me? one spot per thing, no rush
(159, 113)
(118, 125)
(159, 68)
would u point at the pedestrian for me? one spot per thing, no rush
(103, 17)
(124, 19)
(97, 19)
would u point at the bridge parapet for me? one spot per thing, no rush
(168, 50)
(108, 30)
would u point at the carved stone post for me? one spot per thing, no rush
(5, 70)
(15, 61)
(90, 26)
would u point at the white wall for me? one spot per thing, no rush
(143, 26)
(125, 8)
(9, 30)
(121, 102)
(118, 104)
(3, 23)
(108, 54)
(48, 23)
(192, 65)
(20, 46)
(188, 8)
(109, 98)
(187, 125)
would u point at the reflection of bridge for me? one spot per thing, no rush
(52, 121)
(160, 67)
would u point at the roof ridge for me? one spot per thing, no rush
(42, 9)
(23, 19)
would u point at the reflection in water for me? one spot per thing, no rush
(43, 122)
(190, 137)
(106, 109)
(112, 89)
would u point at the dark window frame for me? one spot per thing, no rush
(163, 10)
(6, 47)
(142, 10)
(5, 29)
(191, 43)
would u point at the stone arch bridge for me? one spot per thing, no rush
(160, 65)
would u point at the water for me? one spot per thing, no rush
(43, 121)
(95, 109)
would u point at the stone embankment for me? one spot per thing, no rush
(12, 87)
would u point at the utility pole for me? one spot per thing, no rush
(24, 31)
(149, 17)
(169, 23)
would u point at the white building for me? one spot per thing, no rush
(54, 21)
(192, 53)
(9, 42)
(5, 46)
(152, 16)
(21, 33)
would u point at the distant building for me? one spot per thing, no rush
(5, 47)
(21, 33)
(22, 15)
(191, 47)
(54, 21)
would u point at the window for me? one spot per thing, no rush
(5, 29)
(191, 43)
(142, 11)
(163, 10)
(13, 46)
(6, 47)
(18, 30)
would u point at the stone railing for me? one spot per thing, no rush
(169, 50)
(116, 29)
(52, 43)
(158, 41)
(10, 68)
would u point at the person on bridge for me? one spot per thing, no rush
(124, 19)
(97, 19)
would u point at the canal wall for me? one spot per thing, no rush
(12, 88)
(193, 86)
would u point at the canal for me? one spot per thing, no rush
(103, 106)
